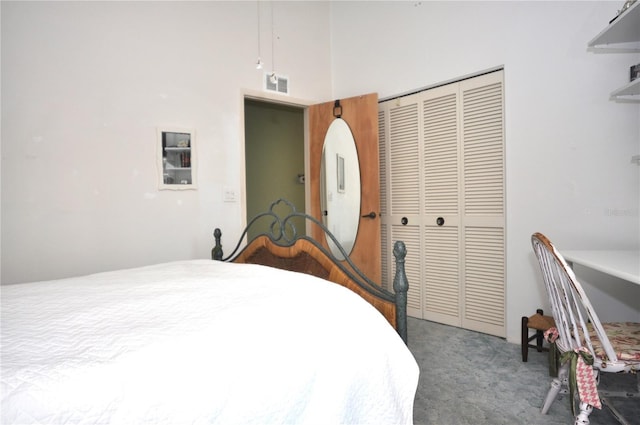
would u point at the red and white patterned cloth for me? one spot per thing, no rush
(581, 375)
(586, 380)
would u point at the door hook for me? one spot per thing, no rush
(337, 109)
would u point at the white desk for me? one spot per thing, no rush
(622, 264)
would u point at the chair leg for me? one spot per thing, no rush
(583, 416)
(525, 338)
(557, 385)
(539, 340)
(539, 334)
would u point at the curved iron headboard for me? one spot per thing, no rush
(282, 232)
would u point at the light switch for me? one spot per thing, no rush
(228, 195)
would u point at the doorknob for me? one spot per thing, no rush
(370, 215)
(404, 221)
(440, 221)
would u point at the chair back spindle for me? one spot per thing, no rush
(570, 306)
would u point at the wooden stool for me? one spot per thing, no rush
(540, 323)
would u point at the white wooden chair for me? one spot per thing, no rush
(615, 347)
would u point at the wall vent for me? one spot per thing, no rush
(280, 86)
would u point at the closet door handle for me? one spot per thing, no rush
(370, 215)
(404, 221)
(439, 221)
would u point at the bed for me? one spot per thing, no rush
(203, 341)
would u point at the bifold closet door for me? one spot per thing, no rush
(442, 191)
(484, 206)
(441, 200)
(400, 123)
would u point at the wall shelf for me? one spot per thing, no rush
(623, 30)
(628, 92)
(622, 35)
(176, 159)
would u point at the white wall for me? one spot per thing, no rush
(568, 147)
(84, 86)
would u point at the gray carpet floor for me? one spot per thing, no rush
(468, 377)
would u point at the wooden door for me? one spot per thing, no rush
(361, 114)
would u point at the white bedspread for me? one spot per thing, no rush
(199, 342)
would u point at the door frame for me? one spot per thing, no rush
(273, 98)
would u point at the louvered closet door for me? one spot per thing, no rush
(441, 200)
(400, 206)
(387, 265)
(484, 203)
(442, 168)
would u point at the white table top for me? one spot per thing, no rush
(622, 264)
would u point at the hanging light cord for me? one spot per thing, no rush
(273, 61)
(259, 62)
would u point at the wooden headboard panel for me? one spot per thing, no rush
(295, 258)
(307, 258)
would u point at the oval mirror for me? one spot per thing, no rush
(340, 186)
